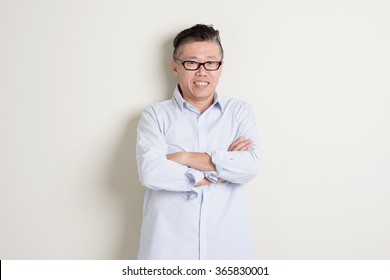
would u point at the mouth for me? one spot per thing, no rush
(201, 83)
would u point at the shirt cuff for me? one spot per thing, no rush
(195, 176)
(220, 159)
(211, 176)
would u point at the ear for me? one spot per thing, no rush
(175, 68)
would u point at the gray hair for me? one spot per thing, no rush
(196, 33)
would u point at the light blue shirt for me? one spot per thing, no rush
(181, 221)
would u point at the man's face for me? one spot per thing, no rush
(198, 86)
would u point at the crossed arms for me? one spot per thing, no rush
(203, 162)
(181, 171)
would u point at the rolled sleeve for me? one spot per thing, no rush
(195, 175)
(237, 166)
(211, 176)
(220, 159)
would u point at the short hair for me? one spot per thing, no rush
(196, 33)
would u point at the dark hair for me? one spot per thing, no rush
(196, 33)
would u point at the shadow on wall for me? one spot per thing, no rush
(124, 173)
(124, 181)
(167, 67)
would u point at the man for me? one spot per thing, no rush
(194, 153)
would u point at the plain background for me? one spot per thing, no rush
(75, 75)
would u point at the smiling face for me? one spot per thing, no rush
(198, 87)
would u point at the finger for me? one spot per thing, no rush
(247, 146)
(241, 145)
(235, 143)
(238, 144)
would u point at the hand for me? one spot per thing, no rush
(205, 181)
(241, 144)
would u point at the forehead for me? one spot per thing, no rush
(204, 49)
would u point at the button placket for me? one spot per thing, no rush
(203, 225)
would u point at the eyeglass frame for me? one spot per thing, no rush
(199, 64)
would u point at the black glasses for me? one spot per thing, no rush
(194, 65)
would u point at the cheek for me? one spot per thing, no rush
(216, 77)
(186, 79)
(183, 82)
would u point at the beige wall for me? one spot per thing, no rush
(75, 75)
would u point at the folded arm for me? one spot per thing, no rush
(203, 161)
(183, 170)
(155, 170)
(240, 163)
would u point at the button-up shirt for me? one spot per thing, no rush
(181, 221)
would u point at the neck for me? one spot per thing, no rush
(202, 105)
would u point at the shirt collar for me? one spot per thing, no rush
(181, 101)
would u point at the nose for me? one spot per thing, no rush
(201, 71)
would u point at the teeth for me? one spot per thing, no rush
(201, 83)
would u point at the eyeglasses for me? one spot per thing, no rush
(194, 65)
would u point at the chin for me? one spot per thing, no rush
(204, 91)
(204, 94)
